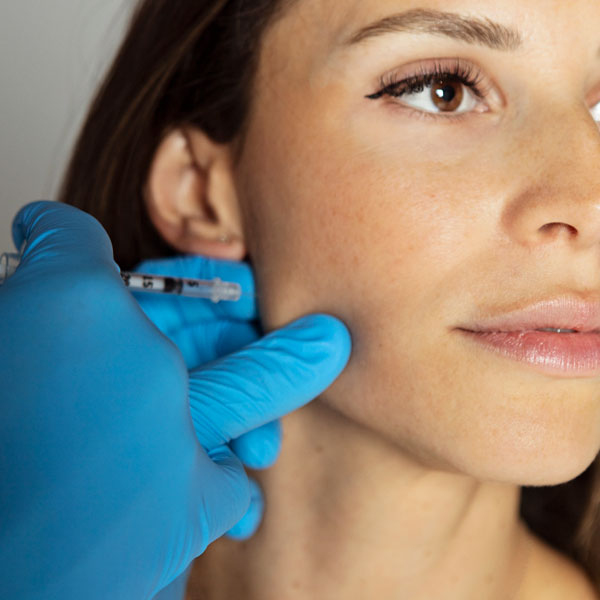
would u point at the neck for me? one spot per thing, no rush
(349, 516)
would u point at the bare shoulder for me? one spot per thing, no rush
(553, 576)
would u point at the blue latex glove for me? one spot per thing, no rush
(204, 331)
(109, 487)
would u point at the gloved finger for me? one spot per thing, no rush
(260, 447)
(173, 311)
(225, 488)
(248, 524)
(267, 379)
(208, 341)
(58, 237)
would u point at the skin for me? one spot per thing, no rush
(403, 478)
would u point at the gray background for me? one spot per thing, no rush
(52, 55)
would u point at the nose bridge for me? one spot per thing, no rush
(559, 171)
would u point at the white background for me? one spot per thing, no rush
(52, 55)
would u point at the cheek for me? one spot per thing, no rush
(344, 231)
(401, 249)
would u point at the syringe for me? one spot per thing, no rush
(211, 289)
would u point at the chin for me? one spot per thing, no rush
(554, 466)
(558, 472)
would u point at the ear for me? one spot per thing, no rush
(191, 198)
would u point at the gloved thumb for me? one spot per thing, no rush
(62, 236)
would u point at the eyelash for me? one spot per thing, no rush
(464, 73)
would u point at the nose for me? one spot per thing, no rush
(558, 183)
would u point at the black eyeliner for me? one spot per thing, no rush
(390, 86)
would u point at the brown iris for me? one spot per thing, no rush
(447, 94)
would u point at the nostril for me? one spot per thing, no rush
(559, 227)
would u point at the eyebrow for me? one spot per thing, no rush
(481, 31)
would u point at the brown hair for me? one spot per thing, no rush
(193, 62)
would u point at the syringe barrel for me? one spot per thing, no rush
(215, 289)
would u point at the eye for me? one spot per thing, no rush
(451, 89)
(443, 95)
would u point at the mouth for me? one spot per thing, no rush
(557, 336)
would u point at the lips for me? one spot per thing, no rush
(563, 312)
(522, 335)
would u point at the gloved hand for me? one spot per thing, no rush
(115, 466)
(204, 331)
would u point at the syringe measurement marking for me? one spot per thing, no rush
(160, 283)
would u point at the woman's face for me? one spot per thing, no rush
(410, 216)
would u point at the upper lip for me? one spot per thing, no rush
(562, 312)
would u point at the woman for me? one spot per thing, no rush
(419, 172)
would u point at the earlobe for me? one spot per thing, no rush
(190, 196)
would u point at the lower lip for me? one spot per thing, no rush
(570, 354)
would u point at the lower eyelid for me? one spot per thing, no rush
(415, 113)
